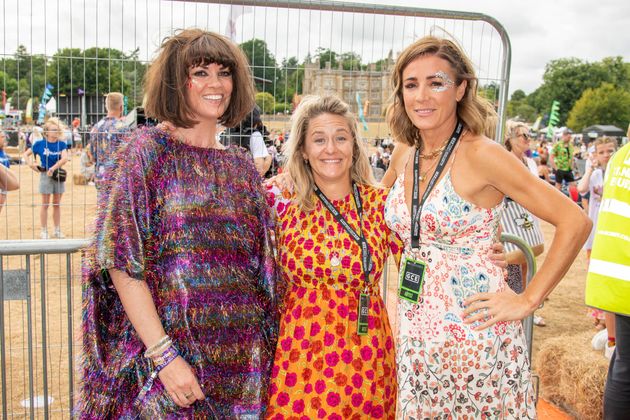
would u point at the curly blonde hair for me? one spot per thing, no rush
(470, 109)
(310, 107)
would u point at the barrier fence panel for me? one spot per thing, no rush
(41, 307)
(59, 58)
(68, 55)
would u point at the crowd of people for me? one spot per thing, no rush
(208, 294)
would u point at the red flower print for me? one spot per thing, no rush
(318, 364)
(377, 412)
(283, 399)
(333, 399)
(340, 379)
(315, 329)
(306, 374)
(458, 332)
(357, 364)
(316, 402)
(340, 329)
(294, 356)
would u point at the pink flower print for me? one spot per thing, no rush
(290, 380)
(346, 356)
(308, 388)
(357, 380)
(321, 413)
(378, 412)
(357, 400)
(283, 399)
(332, 359)
(458, 332)
(329, 373)
(366, 353)
(315, 329)
(298, 406)
(342, 310)
(333, 399)
(367, 407)
(329, 339)
(369, 374)
(320, 386)
(298, 334)
(286, 344)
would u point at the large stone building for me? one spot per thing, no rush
(371, 85)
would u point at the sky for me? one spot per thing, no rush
(543, 30)
(539, 31)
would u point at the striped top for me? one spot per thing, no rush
(193, 224)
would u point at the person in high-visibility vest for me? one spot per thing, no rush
(608, 281)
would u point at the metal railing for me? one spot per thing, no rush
(39, 315)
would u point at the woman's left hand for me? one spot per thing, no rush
(490, 308)
(497, 255)
(49, 172)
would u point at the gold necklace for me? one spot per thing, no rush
(433, 153)
(423, 176)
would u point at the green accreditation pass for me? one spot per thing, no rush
(362, 314)
(411, 279)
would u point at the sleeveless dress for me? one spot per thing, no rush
(323, 368)
(445, 369)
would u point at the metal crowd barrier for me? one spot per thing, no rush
(19, 290)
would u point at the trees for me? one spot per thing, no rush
(263, 64)
(266, 102)
(606, 105)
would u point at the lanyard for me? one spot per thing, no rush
(416, 205)
(366, 258)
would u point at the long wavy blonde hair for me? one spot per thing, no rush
(470, 109)
(310, 107)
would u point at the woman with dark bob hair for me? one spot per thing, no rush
(461, 350)
(180, 307)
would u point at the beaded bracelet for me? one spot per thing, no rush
(158, 347)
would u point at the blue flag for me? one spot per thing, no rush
(41, 114)
(361, 116)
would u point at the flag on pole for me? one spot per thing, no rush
(42, 104)
(361, 114)
(235, 13)
(28, 114)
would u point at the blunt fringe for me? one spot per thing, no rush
(470, 109)
(167, 76)
(310, 107)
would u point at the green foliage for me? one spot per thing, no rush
(607, 105)
(522, 110)
(265, 102)
(518, 95)
(489, 91)
(263, 64)
(566, 79)
(282, 108)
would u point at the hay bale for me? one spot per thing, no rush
(79, 179)
(572, 374)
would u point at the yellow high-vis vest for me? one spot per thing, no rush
(608, 281)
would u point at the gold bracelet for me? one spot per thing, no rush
(155, 349)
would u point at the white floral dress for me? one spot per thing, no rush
(445, 369)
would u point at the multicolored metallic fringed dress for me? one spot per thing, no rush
(193, 224)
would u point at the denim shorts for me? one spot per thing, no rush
(48, 186)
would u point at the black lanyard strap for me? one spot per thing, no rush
(359, 238)
(416, 204)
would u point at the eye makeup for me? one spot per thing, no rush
(446, 82)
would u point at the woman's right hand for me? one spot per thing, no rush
(34, 167)
(282, 181)
(180, 382)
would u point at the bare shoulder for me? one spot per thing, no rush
(480, 149)
(399, 156)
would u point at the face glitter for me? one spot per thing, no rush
(446, 82)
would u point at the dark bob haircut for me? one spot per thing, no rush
(167, 77)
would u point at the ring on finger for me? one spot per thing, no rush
(187, 396)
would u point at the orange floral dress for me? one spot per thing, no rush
(323, 368)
